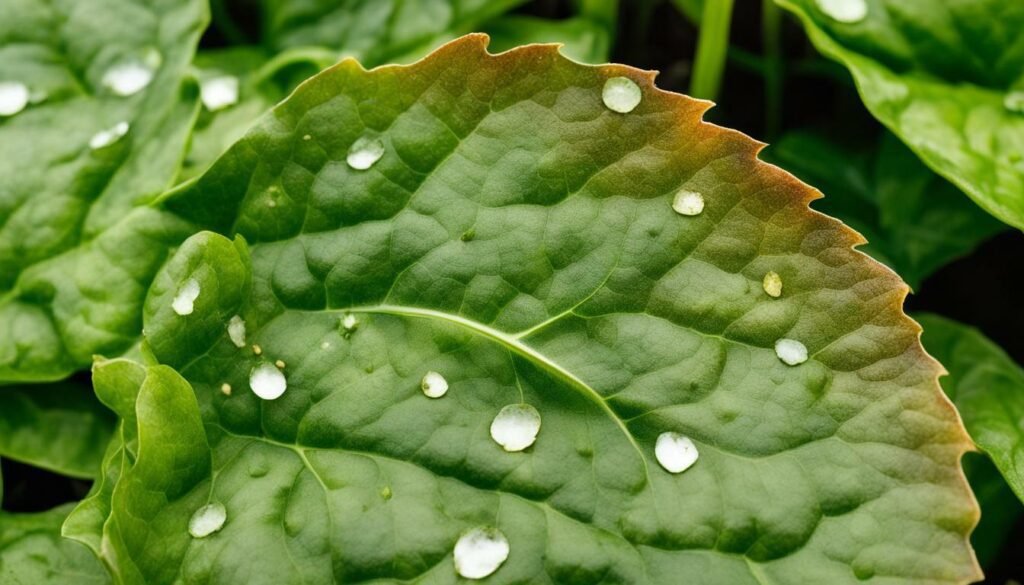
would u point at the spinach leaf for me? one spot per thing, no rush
(102, 132)
(60, 427)
(913, 220)
(33, 553)
(946, 77)
(418, 253)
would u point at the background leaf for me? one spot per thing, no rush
(33, 553)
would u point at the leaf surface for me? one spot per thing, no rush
(941, 76)
(518, 238)
(33, 553)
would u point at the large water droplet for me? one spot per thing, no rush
(772, 284)
(434, 385)
(184, 301)
(621, 94)
(207, 520)
(364, 152)
(688, 203)
(516, 427)
(846, 11)
(791, 352)
(236, 331)
(675, 452)
(218, 93)
(267, 381)
(479, 552)
(109, 136)
(128, 77)
(14, 97)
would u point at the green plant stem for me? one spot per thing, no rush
(709, 62)
(771, 35)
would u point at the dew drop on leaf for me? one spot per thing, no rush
(434, 385)
(675, 452)
(846, 11)
(225, 389)
(109, 136)
(688, 203)
(267, 381)
(772, 284)
(364, 152)
(236, 331)
(128, 78)
(516, 427)
(791, 352)
(218, 93)
(479, 552)
(207, 520)
(13, 97)
(349, 323)
(621, 94)
(184, 301)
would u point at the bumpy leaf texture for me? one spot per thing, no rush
(104, 131)
(946, 77)
(517, 238)
(33, 553)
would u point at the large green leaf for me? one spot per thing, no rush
(33, 553)
(60, 427)
(943, 76)
(518, 238)
(71, 273)
(914, 221)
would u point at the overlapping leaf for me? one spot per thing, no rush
(33, 553)
(946, 77)
(518, 237)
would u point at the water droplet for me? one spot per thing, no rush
(675, 452)
(621, 94)
(325, 345)
(349, 324)
(267, 382)
(128, 77)
(107, 137)
(772, 284)
(307, 137)
(434, 385)
(236, 331)
(479, 552)
(258, 466)
(846, 11)
(257, 349)
(280, 364)
(791, 352)
(225, 389)
(516, 427)
(218, 93)
(184, 301)
(468, 235)
(1013, 101)
(207, 520)
(688, 203)
(364, 152)
(14, 97)
(385, 493)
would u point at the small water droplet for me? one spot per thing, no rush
(688, 203)
(675, 452)
(325, 345)
(225, 389)
(468, 235)
(385, 493)
(109, 136)
(772, 284)
(207, 520)
(184, 302)
(364, 152)
(1012, 101)
(128, 77)
(218, 93)
(845, 11)
(479, 552)
(267, 381)
(791, 352)
(236, 331)
(349, 324)
(307, 137)
(621, 94)
(515, 427)
(280, 364)
(434, 385)
(14, 96)
(257, 349)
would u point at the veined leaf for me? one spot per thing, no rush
(942, 76)
(33, 553)
(428, 245)
(104, 131)
(60, 427)
(914, 221)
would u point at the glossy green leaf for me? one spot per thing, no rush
(518, 238)
(60, 427)
(988, 389)
(33, 553)
(71, 272)
(1000, 508)
(941, 76)
(914, 221)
